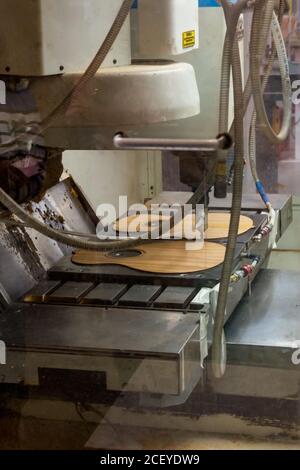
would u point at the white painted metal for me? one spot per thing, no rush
(104, 175)
(167, 27)
(48, 37)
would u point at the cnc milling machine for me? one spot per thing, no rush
(121, 335)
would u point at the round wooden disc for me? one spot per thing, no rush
(218, 225)
(161, 257)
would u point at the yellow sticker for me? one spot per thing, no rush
(221, 169)
(189, 39)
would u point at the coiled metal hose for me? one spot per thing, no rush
(231, 57)
(279, 48)
(262, 19)
(263, 12)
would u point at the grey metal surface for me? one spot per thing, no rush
(251, 202)
(140, 351)
(175, 297)
(5, 299)
(26, 255)
(263, 337)
(140, 295)
(40, 292)
(19, 261)
(271, 315)
(70, 292)
(265, 327)
(105, 294)
(96, 329)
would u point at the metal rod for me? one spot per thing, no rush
(222, 142)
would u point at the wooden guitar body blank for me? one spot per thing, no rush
(218, 225)
(160, 257)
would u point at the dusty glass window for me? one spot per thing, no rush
(149, 224)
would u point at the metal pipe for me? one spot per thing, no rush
(221, 142)
(15, 223)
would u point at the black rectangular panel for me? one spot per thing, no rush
(40, 292)
(71, 292)
(140, 295)
(175, 297)
(105, 294)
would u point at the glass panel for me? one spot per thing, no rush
(149, 224)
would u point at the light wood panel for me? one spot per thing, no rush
(161, 257)
(218, 225)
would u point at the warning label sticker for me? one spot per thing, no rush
(188, 39)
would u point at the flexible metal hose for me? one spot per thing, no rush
(278, 47)
(59, 235)
(261, 30)
(221, 168)
(262, 19)
(231, 55)
(252, 134)
(225, 85)
(94, 66)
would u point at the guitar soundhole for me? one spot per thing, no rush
(125, 254)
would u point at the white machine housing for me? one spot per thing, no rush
(50, 37)
(167, 27)
(55, 42)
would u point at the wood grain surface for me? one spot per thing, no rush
(218, 225)
(161, 257)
